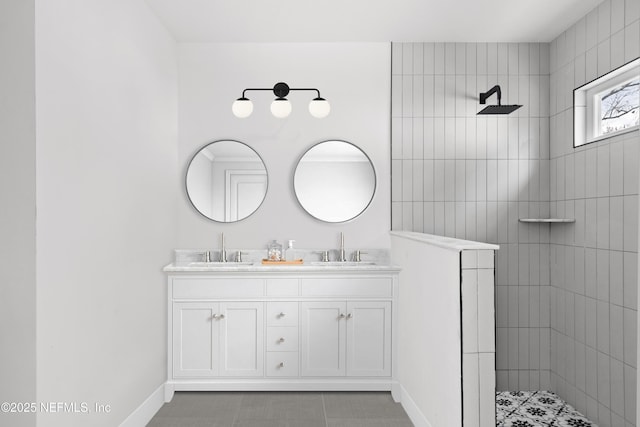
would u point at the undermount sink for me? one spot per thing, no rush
(342, 263)
(219, 264)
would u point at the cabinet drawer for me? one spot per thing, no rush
(348, 286)
(282, 313)
(282, 364)
(282, 287)
(187, 288)
(282, 338)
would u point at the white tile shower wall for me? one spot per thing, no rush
(478, 338)
(461, 175)
(594, 261)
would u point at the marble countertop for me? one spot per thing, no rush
(260, 268)
(193, 260)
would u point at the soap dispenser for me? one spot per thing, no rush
(290, 253)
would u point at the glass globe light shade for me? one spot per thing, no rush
(242, 107)
(280, 108)
(319, 108)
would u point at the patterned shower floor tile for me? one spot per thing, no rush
(536, 409)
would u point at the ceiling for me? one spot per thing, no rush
(369, 20)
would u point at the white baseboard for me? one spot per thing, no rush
(141, 416)
(415, 414)
(275, 384)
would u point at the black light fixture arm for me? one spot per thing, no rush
(248, 89)
(317, 91)
(280, 90)
(485, 95)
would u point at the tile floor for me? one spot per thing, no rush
(281, 409)
(536, 409)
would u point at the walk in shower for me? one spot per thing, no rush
(566, 292)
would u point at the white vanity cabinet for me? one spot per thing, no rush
(346, 338)
(213, 339)
(299, 328)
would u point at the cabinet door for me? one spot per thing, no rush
(242, 339)
(369, 338)
(323, 338)
(195, 339)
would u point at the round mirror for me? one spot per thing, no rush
(334, 181)
(226, 181)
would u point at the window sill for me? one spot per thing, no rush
(611, 135)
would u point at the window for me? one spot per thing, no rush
(607, 106)
(617, 107)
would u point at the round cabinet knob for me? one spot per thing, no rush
(281, 314)
(350, 316)
(281, 365)
(342, 316)
(281, 340)
(222, 316)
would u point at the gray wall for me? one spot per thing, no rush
(594, 261)
(458, 174)
(17, 215)
(106, 85)
(353, 77)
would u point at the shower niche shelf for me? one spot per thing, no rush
(547, 220)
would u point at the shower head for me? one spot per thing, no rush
(496, 109)
(499, 109)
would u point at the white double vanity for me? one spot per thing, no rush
(255, 327)
(312, 326)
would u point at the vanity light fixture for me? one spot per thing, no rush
(281, 107)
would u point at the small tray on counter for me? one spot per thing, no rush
(272, 262)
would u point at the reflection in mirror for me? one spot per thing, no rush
(334, 181)
(226, 181)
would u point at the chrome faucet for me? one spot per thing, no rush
(324, 255)
(342, 257)
(223, 251)
(239, 256)
(357, 255)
